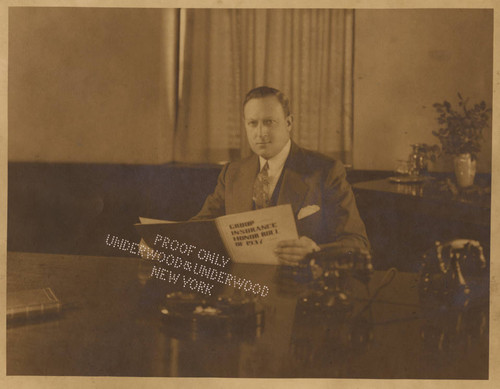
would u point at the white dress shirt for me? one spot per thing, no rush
(276, 165)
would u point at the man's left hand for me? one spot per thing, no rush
(291, 252)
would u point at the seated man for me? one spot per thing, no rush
(280, 172)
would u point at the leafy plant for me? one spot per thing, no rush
(462, 130)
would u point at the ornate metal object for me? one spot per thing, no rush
(454, 274)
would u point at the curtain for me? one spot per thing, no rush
(307, 54)
(169, 82)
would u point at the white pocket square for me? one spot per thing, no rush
(307, 211)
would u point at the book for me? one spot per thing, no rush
(247, 237)
(32, 303)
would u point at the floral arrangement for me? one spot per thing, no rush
(462, 129)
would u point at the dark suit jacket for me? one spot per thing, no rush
(309, 178)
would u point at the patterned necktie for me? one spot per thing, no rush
(261, 188)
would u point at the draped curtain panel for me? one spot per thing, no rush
(169, 82)
(305, 53)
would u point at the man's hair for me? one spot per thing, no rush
(264, 91)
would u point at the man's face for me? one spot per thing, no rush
(268, 130)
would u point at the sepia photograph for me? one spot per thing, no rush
(247, 192)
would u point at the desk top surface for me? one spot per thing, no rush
(109, 332)
(442, 191)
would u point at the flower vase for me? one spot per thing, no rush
(465, 170)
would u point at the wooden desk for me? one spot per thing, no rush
(404, 220)
(109, 334)
(430, 198)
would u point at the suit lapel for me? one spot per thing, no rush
(243, 185)
(293, 189)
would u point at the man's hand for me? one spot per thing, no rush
(291, 252)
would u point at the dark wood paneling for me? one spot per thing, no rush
(70, 208)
